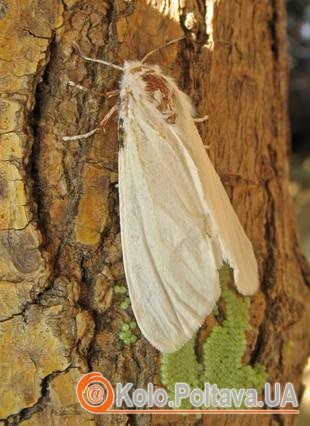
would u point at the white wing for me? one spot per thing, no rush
(168, 258)
(177, 224)
(235, 247)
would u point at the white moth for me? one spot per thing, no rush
(177, 223)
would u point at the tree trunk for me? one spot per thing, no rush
(60, 237)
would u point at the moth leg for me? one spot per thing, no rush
(108, 95)
(78, 86)
(107, 117)
(201, 119)
(102, 125)
(112, 93)
(81, 136)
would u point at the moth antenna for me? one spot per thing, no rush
(160, 47)
(99, 61)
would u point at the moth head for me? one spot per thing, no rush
(135, 67)
(157, 87)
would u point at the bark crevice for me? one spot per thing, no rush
(27, 413)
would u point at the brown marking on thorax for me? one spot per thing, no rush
(156, 85)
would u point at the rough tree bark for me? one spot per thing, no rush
(59, 226)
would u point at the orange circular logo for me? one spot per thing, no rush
(95, 393)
